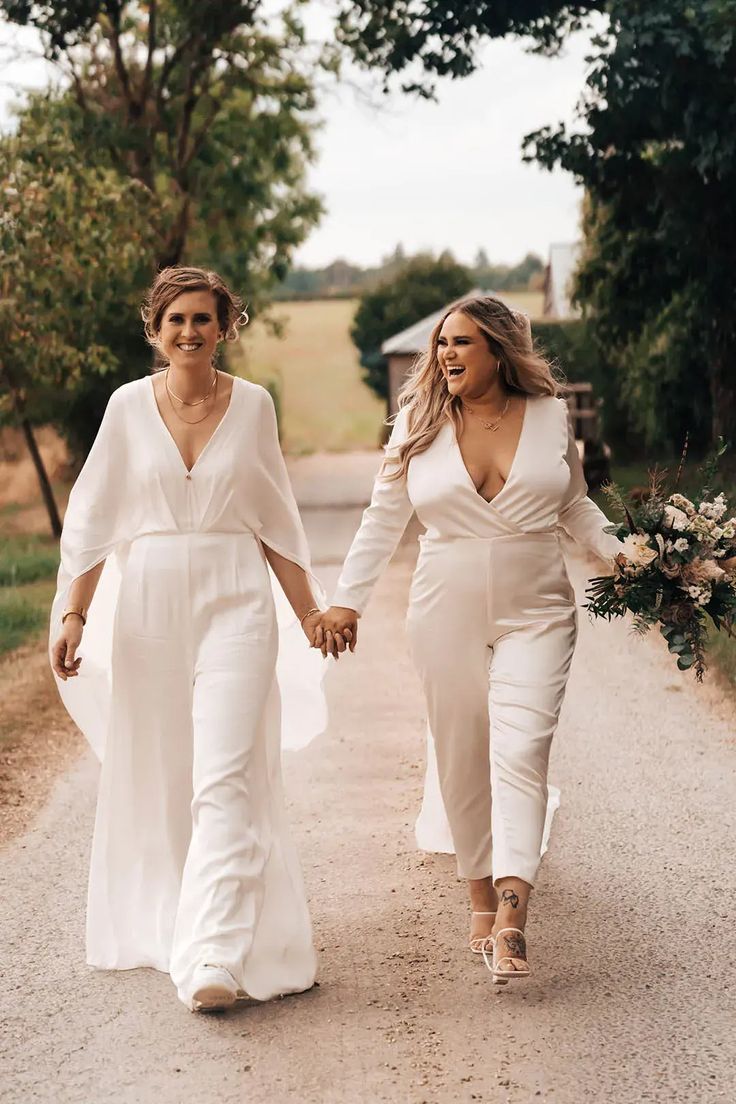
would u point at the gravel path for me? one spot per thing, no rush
(619, 1008)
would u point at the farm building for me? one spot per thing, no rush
(558, 277)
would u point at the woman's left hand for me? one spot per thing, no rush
(310, 625)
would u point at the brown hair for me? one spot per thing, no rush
(176, 280)
(522, 370)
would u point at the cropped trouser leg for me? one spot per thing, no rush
(492, 628)
(527, 676)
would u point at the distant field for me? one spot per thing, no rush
(324, 402)
(530, 302)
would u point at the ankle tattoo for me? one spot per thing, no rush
(508, 897)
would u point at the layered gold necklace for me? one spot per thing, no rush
(197, 402)
(494, 423)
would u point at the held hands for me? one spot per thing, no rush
(63, 654)
(332, 631)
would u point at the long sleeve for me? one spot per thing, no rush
(579, 516)
(381, 529)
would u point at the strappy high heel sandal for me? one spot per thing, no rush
(515, 951)
(478, 942)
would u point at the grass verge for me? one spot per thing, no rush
(25, 558)
(24, 613)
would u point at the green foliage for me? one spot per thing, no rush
(208, 122)
(422, 286)
(422, 39)
(74, 242)
(572, 346)
(501, 277)
(26, 558)
(657, 156)
(19, 618)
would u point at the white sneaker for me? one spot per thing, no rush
(214, 989)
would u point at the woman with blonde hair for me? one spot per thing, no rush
(180, 510)
(483, 451)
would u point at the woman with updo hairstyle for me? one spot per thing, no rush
(181, 541)
(482, 450)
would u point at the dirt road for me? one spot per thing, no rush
(631, 934)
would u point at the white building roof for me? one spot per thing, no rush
(415, 338)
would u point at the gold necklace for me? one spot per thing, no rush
(184, 401)
(196, 420)
(494, 423)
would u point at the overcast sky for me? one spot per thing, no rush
(429, 175)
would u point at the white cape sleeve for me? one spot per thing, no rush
(94, 530)
(300, 670)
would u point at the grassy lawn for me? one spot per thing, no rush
(24, 558)
(24, 612)
(28, 564)
(324, 403)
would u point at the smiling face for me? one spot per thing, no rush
(190, 330)
(467, 363)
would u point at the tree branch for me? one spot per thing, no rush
(120, 69)
(148, 72)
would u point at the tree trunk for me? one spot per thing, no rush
(43, 478)
(47, 491)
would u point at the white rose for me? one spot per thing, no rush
(637, 550)
(675, 518)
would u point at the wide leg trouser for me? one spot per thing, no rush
(492, 626)
(191, 858)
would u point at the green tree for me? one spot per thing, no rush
(73, 246)
(657, 156)
(210, 110)
(420, 40)
(656, 153)
(423, 285)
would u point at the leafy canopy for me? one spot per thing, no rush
(657, 156)
(422, 39)
(422, 286)
(74, 241)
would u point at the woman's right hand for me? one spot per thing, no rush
(64, 661)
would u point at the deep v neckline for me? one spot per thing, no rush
(170, 437)
(468, 476)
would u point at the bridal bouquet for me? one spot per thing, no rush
(676, 567)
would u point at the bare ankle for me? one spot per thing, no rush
(512, 908)
(483, 896)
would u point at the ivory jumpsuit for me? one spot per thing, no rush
(491, 621)
(177, 693)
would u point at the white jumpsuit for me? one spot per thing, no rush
(492, 623)
(177, 693)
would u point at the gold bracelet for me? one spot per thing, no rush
(77, 612)
(308, 614)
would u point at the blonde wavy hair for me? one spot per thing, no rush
(176, 280)
(522, 370)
